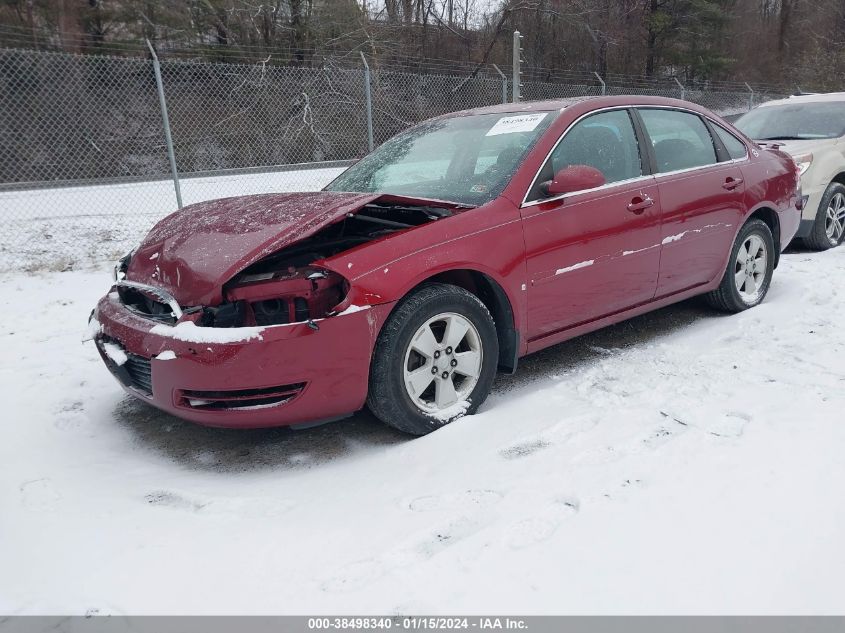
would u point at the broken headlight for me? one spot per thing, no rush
(276, 298)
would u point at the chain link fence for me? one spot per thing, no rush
(84, 169)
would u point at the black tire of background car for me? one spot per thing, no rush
(387, 397)
(817, 239)
(726, 297)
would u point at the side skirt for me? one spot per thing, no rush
(560, 336)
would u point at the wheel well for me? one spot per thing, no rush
(840, 178)
(771, 219)
(494, 297)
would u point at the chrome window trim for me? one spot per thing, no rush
(526, 203)
(699, 168)
(158, 293)
(583, 191)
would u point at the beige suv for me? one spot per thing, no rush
(812, 129)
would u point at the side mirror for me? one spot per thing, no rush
(573, 178)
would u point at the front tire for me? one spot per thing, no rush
(829, 227)
(434, 361)
(749, 273)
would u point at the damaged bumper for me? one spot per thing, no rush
(242, 377)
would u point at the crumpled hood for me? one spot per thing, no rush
(193, 252)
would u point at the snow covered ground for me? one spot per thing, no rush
(682, 462)
(70, 227)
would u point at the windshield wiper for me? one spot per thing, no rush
(785, 138)
(382, 221)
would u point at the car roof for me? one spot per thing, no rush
(551, 105)
(810, 98)
(526, 106)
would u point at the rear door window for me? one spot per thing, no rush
(680, 140)
(736, 148)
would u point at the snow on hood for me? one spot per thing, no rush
(193, 252)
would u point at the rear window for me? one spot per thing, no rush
(794, 121)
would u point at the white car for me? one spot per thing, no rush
(812, 129)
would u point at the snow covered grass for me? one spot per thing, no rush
(72, 227)
(682, 462)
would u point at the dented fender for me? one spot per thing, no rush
(387, 271)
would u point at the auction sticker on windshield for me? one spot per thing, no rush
(516, 123)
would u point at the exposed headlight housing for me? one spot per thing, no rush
(803, 162)
(295, 295)
(121, 265)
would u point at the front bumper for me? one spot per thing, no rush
(290, 374)
(790, 223)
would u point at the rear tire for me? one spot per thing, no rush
(434, 361)
(749, 273)
(829, 226)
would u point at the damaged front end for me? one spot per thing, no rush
(289, 295)
(234, 328)
(290, 286)
(286, 286)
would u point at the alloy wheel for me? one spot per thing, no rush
(443, 362)
(834, 222)
(750, 268)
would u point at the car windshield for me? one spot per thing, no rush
(794, 121)
(463, 159)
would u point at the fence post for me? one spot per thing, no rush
(750, 96)
(681, 86)
(504, 84)
(368, 97)
(603, 86)
(166, 123)
(517, 60)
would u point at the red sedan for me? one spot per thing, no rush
(451, 251)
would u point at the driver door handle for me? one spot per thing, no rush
(640, 204)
